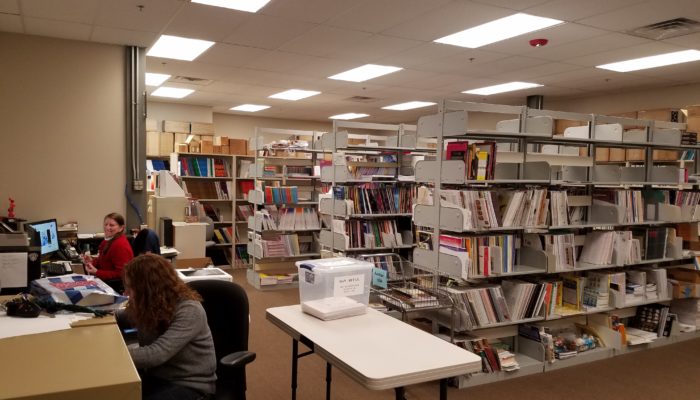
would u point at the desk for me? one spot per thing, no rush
(86, 363)
(376, 350)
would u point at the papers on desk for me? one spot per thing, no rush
(13, 270)
(11, 326)
(333, 308)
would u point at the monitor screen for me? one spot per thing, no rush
(44, 234)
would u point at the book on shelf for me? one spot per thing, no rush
(244, 168)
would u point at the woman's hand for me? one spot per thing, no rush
(90, 269)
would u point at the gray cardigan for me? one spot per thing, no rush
(183, 354)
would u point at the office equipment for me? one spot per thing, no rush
(58, 268)
(19, 263)
(226, 305)
(189, 239)
(44, 234)
(411, 356)
(167, 233)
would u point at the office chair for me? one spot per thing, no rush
(145, 241)
(226, 305)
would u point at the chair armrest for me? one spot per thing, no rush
(237, 359)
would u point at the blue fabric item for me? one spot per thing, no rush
(146, 242)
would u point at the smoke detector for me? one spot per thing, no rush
(538, 42)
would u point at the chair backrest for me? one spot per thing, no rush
(146, 241)
(226, 306)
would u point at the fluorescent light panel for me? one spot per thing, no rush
(249, 107)
(660, 60)
(348, 116)
(409, 105)
(153, 79)
(365, 73)
(176, 93)
(241, 5)
(294, 94)
(179, 48)
(500, 29)
(504, 87)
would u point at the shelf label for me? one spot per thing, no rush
(379, 278)
(350, 285)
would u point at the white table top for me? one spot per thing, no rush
(377, 350)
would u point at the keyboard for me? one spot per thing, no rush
(56, 269)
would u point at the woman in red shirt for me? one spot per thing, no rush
(114, 252)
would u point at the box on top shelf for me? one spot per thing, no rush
(665, 114)
(333, 288)
(238, 146)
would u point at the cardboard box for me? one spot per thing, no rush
(665, 155)
(166, 144)
(693, 124)
(203, 262)
(560, 125)
(635, 154)
(202, 128)
(225, 149)
(602, 154)
(238, 146)
(685, 290)
(194, 146)
(176, 127)
(629, 114)
(665, 114)
(182, 147)
(616, 154)
(221, 140)
(685, 275)
(217, 149)
(152, 143)
(206, 147)
(152, 125)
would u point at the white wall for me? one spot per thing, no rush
(178, 112)
(63, 129)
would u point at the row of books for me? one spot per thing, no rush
(479, 158)
(281, 246)
(370, 234)
(241, 258)
(376, 198)
(243, 211)
(204, 166)
(495, 355)
(482, 256)
(288, 219)
(223, 235)
(281, 194)
(631, 200)
(208, 190)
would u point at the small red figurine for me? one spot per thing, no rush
(11, 210)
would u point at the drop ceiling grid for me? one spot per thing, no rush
(78, 11)
(105, 34)
(379, 15)
(58, 29)
(198, 21)
(268, 32)
(124, 14)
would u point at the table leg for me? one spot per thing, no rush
(443, 389)
(400, 393)
(295, 359)
(328, 381)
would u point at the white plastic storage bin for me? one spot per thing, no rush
(333, 288)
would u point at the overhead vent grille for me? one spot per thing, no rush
(190, 80)
(667, 29)
(362, 99)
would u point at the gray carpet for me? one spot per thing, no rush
(670, 372)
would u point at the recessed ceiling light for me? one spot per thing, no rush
(500, 29)
(241, 5)
(153, 79)
(504, 87)
(409, 105)
(294, 94)
(176, 93)
(179, 48)
(249, 107)
(348, 116)
(365, 72)
(660, 60)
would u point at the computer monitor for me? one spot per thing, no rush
(45, 235)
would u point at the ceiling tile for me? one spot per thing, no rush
(126, 14)
(691, 41)
(627, 53)
(103, 34)
(576, 10)
(466, 62)
(378, 15)
(452, 17)
(495, 69)
(79, 11)
(687, 72)
(537, 71)
(187, 68)
(310, 10)
(557, 35)
(230, 55)
(58, 29)
(420, 54)
(11, 23)
(374, 48)
(513, 5)
(322, 68)
(267, 31)
(324, 41)
(409, 78)
(279, 61)
(641, 14)
(610, 41)
(227, 87)
(9, 7)
(198, 21)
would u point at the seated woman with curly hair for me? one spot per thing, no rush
(175, 353)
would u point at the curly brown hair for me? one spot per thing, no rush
(154, 291)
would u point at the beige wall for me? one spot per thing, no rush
(62, 140)
(649, 99)
(178, 112)
(238, 126)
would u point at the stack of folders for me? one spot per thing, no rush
(598, 248)
(525, 207)
(560, 207)
(482, 256)
(267, 221)
(563, 248)
(524, 299)
(631, 201)
(300, 218)
(373, 234)
(281, 246)
(486, 305)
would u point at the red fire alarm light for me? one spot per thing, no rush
(538, 42)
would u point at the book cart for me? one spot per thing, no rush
(369, 205)
(285, 225)
(407, 288)
(548, 243)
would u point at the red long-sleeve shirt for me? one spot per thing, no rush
(110, 265)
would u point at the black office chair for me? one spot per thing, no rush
(226, 305)
(146, 241)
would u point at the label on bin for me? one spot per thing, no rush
(349, 285)
(309, 277)
(379, 278)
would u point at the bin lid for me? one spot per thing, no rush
(336, 264)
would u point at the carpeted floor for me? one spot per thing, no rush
(671, 372)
